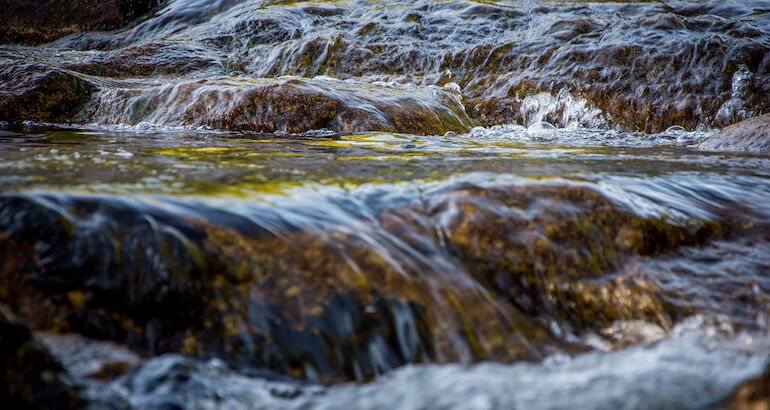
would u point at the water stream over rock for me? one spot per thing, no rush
(431, 204)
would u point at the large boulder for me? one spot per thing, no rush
(39, 21)
(462, 275)
(752, 135)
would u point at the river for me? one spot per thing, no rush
(366, 204)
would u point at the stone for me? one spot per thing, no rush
(40, 21)
(751, 135)
(30, 377)
(152, 58)
(34, 92)
(288, 105)
(325, 303)
(752, 394)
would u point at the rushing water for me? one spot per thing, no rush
(346, 183)
(364, 204)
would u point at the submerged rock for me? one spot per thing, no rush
(557, 251)
(35, 92)
(289, 105)
(30, 377)
(86, 358)
(752, 135)
(641, 66)
(146, 59)
(498, 273)
(40, 21)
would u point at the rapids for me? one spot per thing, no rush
(392, 204)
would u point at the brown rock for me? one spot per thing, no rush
(38, 93)
(39, 21)
(327, 303)
(291, 105)
(148, 59)
(753, 394)
(752, 135)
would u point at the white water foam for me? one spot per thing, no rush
(574, 111)
(692, 368)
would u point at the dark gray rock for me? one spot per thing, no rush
(30, 377)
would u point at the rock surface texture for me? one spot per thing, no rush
(30, 377)
(752, 135)
(38, 93)
(40, 21)
(631, 66)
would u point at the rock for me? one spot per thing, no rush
(149, 59)
(752, 135)
(86, 358)
(39, 21)
(29, 376)
(290, 105)
(550, 250)
(713, 75)
(318, 304)
(753, 394)
(34, 92)
(322, 302)
(662, 75)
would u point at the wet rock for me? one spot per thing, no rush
(149, 59)
(468, 274)
(318, 304)
(556, 251)
(643, 67)
(290, 105)
(90, 359)
(567, 30)
(40, 21)
(752, 135)
(30, 376)
(751, 395)
(34, 92)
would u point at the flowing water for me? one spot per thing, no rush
(364, 204)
